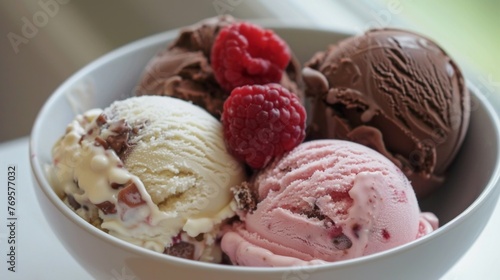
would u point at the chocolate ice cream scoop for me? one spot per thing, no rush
(397, 92)
(183, 70)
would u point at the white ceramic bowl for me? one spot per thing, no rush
(463, 205)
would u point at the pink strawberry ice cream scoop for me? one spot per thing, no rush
(325, 201)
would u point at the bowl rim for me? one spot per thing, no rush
(42, 183)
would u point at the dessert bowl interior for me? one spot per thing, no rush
(463, 205)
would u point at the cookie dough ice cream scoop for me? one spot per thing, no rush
(151, 170)
(397, 92)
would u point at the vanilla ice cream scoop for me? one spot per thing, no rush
(151, 170)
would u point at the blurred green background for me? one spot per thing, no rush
(77, 32)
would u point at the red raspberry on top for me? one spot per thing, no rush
(245, 54)
(261, 122)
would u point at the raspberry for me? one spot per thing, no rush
(245, 54)
(261, 122)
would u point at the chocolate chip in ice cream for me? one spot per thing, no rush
(314, 212)
(245, 198)
(72, 202)
(182, 250)
(107, 207)
(342, 242)
(118, 140)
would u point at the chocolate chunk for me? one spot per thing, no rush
(356, 228)
(101, 119)
(286, 169)
(130, 195)
(101, 142)
(200, 237)
(342, 242)
(116, 186)
(245, 198)
(226, 260)
(107, 207)
(72, 201)
(314, 212)
(119, 140)
(182, 250)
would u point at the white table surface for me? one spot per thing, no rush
(41, 256)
